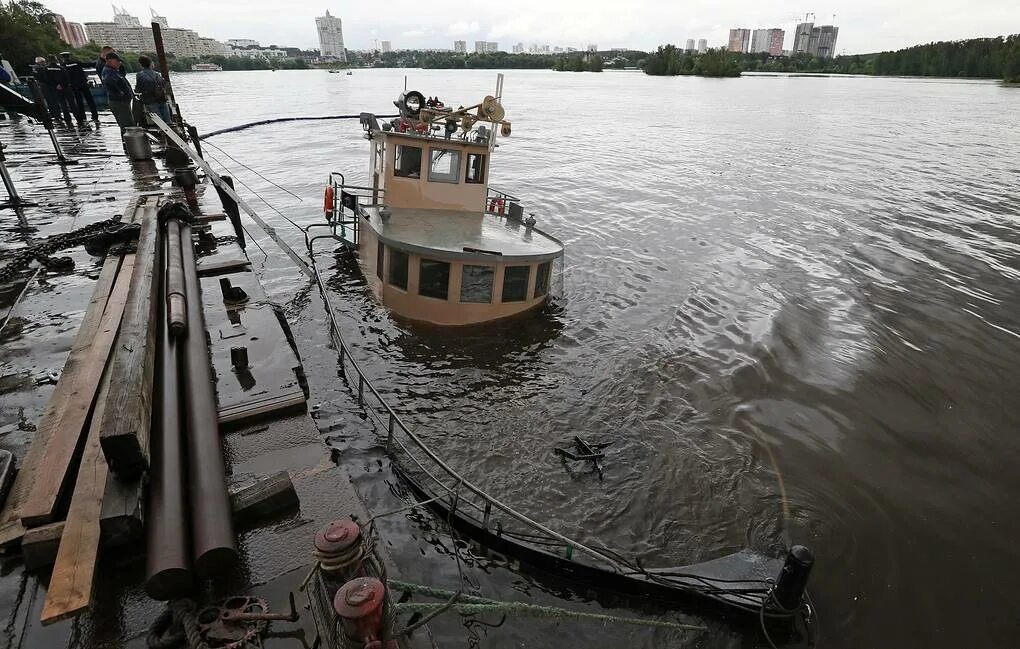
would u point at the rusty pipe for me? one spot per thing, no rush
(214, 548)
(176, 300)
(168, 572)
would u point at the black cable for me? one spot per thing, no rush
(256, 173)
(284, 119)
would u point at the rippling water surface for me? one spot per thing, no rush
(790, 303)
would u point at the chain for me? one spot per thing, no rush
(105, 232)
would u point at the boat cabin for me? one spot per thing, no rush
(435, 243)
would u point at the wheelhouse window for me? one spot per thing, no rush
(407, 161)
(542, 279)
(444, 165)
(515, 283)
(475, 172)
(380, 258)
(434, 279)
(398, 268)
(476, 284)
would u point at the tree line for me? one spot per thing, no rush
(987, 58)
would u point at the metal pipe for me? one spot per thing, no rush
(168, 573)
(12, 191)
(214, 546)
(176, 299)
(47, 121)
(195, 140)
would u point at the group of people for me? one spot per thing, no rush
(66, 90)
(150, 91)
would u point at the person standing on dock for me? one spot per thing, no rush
(151, 89)
(55, 79)
(118, 90)
(38, 70)
(79, 86)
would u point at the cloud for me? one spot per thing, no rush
(463, 28)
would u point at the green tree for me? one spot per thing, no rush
(27, 31)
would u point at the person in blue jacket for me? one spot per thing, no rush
(118, 91)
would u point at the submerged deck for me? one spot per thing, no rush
(468, 235)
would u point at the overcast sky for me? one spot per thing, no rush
(864, 25)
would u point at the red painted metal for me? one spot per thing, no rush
(338, 536)
(359, 603)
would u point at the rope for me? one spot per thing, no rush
(278, 120)
(42, 250)
(175, 625)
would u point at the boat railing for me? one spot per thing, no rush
(503, 204)
(345, 215)
(413, 456)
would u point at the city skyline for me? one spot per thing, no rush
(865, 27)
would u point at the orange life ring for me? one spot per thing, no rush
(327, 203)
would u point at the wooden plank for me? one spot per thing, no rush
(124, 430)
(39, 545)
(121, 521)
(11, 528)
(263, 498)
(74, 572)
(64, 427)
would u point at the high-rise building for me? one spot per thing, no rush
(479, 47)
(740, 40)
(776, 38)
(491, 46)
(518, 48)
(242, 42)
(460, 46)
(386, 46)
(759, 41)
(690, 45)
(702, 45)
(71, 33)
(331, 37)
(824, 40)
(802, 38)
(127, 33)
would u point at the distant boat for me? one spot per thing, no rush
(333, 71)
(349, 73)
(206, 67)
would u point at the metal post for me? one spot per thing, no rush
(793, 577)
(195, 141)
(488, 513)
(389, 437)
(164, 69)
(14, 200)
(47, 121)
(231, 210)
(361, 390)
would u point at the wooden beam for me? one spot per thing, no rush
(64, 424)
(121, 522)
(263, 498)
(11, 528)
(124, 430)
(39, 545)
(74, 572)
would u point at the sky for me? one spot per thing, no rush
(864, 25)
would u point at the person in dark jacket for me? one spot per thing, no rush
(151, 89)
(118, 91)
(79, 82)
(38, 71)
(56, 78)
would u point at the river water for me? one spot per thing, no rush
(790, 304)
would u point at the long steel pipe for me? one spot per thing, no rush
(176, 300)
(212, 527)
(168, 572)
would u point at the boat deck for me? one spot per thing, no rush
(461, 234)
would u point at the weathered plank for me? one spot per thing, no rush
(263, 498)
(124, 430)
(122, 521)
(11, 528)
(63, 425)
(39, 545)
(74, 572)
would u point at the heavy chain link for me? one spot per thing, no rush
(107, 231)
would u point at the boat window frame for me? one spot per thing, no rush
(527, 279)
(544, 286)
(398, 156)
(395, 254)
(491, 285)
(421, 274)
(452, 178)
(467, 168)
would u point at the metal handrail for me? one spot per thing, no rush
(394, 421)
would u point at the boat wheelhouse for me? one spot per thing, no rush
(434, 241)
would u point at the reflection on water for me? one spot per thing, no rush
(772, 286)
